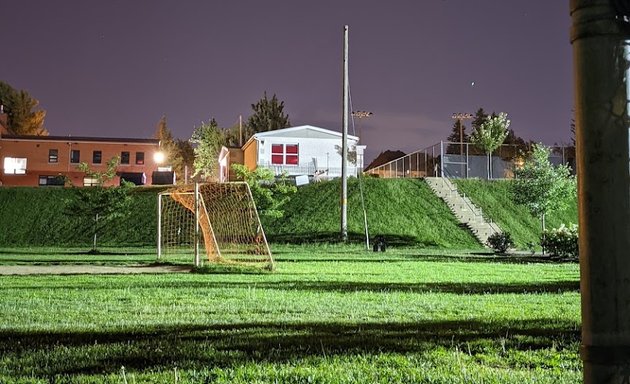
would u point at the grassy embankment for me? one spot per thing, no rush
(495, 199)
(404, 211)
(329, 314)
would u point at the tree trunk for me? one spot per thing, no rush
(95, 232)
(542, 223)
(488, 166)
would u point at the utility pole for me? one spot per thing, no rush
(600, 34)
(459, 117)
(463, 161)
(344, 139)
(240, 130)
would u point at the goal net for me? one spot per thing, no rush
(217, 220)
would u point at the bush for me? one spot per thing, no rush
(562, 242)
(500, 241)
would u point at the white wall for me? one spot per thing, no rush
(312, 151)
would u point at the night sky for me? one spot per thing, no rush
(113, 68)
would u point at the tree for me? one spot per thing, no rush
(183, 162)
(480, 117)
(269, 194)
(490, 135)
(167, 143)
(20, 107)
(100, 204)
(542, 187)
(268, 115)
(209, 139)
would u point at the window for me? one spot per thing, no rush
(140, 158)
(50, 181)
(75, 156)
(15, 165)
(124, 157)
(53, 155)
(285, 154)
(97, 157)
(91, 182)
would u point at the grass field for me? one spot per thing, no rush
(328, 314)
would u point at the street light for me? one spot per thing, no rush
(159, 157)
(361, 115)
(459, 117)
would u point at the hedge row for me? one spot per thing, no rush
(39, 217)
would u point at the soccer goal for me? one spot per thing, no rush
(217, 219)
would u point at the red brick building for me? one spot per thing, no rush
(51, 160)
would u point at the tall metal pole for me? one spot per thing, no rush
(197, 233)
(159, 228)
(600, 37)
(344, 142)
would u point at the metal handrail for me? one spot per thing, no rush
(472, 208)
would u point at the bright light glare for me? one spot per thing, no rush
(158, 157)
(15, 166)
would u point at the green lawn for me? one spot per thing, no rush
(328, 314)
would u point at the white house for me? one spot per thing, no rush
(302, 150)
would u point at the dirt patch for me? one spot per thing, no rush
(89, 269)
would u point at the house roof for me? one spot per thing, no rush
(302, 131)
(81, 139)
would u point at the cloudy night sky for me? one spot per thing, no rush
(113, 68)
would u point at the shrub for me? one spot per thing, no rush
(500, 241)
(561, 241)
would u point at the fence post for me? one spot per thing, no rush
(441, 158)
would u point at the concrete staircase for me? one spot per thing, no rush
(463, 209)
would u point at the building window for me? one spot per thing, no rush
(53, 155)
(75, 156)
(124, 157)
(97, 156)
(15, 165)
(51, 181)
(284, 154)
(140, 158)
(91, 182)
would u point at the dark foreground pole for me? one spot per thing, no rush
(600, 55)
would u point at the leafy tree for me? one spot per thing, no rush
(490, 135)
(542, 187)
(268, 115)
(269, 194)
(167, 143)
(100, 204)
(183, 162)
(209, 139)
(351, 153)
(20, 107)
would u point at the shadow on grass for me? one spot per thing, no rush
(353, 286)
(44, 251)
(47, 354)
(334, 237)
(392, 256)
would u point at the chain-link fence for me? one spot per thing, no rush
(465, 160)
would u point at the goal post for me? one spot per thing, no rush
(220, 216)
